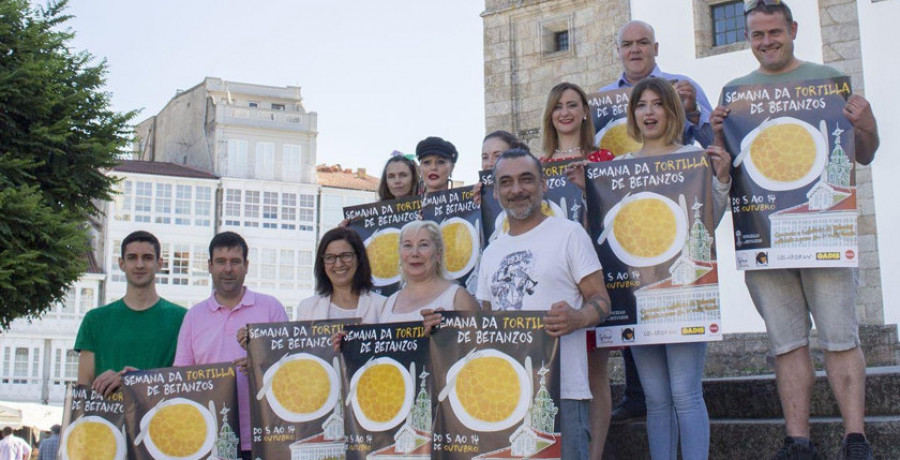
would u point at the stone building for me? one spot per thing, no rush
(531, 45)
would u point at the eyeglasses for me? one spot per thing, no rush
(750, 5)
(346, 257)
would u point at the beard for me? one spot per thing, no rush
(524, 212)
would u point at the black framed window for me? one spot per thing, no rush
(728, 23)
(561, 40)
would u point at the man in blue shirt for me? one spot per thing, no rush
(636, 42)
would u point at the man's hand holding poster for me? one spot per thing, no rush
(794, 195)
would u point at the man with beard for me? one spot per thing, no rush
(559, 256)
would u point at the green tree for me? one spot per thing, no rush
(57, 134)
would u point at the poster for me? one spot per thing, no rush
(497, 383)
(653, 223)
(295, 390)
(460, 221)
(93, 426)
(794, 195)
(610, 109)
(387, 391)
(563, 199)
(378, 224)
(182, 412)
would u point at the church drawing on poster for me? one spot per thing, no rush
(691, 293)
(536, 438)
(413, 439)
(828, 218)
(330, 444)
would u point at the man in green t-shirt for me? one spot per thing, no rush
(138, 331)
(786, 298)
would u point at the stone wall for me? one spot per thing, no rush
(841, 49)
(520, 67)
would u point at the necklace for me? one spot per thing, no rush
(566, 151)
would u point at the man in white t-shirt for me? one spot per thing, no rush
(546, 263)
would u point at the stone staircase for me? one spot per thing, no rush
(746, 421)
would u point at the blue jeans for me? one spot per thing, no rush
(672, 378)
(575, 428)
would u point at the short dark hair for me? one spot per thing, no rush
(7, 430)
(55, 429)
(511, 140)
(384, 192)
(141, 236)
(228, 240)
(518, 153)
(782, 8)
(362, 280)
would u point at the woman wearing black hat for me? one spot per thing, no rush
(437, 158)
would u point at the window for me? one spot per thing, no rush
(728, 23)
(253, 104)
(556, 38)
(86, 302)
(307, 208)
(181, 262)
(265, 160)
(286, 269)
(277, 106)
(64, 372)
(163, 203)
(142, 201)
(20, 366)
(268, 267)
(200, 268)
(251, 208)
(718, 27)
(236, 165)
(68, 306)
(561, 40)
(232, 207)
(183, 194)
(290, 163)
(270, 210)
(203, 206)
(289, 211)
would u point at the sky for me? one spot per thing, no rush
(379, 80)
(384, 75)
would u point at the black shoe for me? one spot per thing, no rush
(856, 447)
(793, 451)
(628, 411)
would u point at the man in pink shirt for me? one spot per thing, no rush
(208, 333)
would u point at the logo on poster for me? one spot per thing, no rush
(849, 254)
(693, 330)
(604, 336)
(713, 328)
(628, 334)
(828, 256)
(762, 259)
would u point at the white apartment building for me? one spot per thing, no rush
(220, 156)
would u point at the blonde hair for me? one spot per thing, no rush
(434, 233)
(671, 105)
(550, 139)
